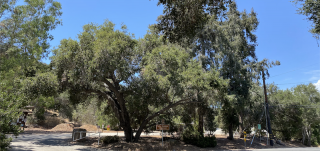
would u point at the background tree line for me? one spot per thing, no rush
(196, 66)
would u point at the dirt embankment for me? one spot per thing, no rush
(90, 128)
(65, 127)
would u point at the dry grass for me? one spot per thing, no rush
(52, 121)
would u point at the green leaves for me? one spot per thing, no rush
(165, 64)
(296, 107)
(100, 52)
(183, 18)
(310, 8)
(11, 101)
(31, 25)
(43, 84)
(24, 35)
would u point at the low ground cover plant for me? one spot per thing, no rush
(193, 137)
(110, 139)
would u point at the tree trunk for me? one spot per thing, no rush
(230, 132)
(309, 143)
(200, 126)
(128, 133)
(138, 134)
(308, 131)
(303, 135)
(124, 119)
(240, 129)
(127, 128)
(200, 113)
(147, 120)
(125, 124)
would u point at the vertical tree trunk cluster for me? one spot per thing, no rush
(240, 129)
(126, 125)
(306, 133)
(200, 113)
(230, 131)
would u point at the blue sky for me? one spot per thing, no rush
(282, 34)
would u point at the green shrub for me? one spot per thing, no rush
(201, 141)
(110, 139)
(193, 137)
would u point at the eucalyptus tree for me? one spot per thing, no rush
(228, 44)
(223, 38)
(145, 77)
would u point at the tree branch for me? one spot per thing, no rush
(144, 123)
(108, 95)
(110, 86)
(115, 82)
(151, 125)
(171, 106)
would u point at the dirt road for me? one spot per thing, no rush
(45, 142)
(53, 142)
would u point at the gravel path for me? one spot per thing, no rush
(45, 142)
(53, 142)
(61, 142)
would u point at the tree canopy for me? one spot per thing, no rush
(311, 9)
(24, 40)
(196, 66)
(142, 78)
(182, 18)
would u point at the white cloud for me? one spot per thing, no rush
(315, 74)
(317, 85)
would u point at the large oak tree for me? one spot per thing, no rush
(146, 77)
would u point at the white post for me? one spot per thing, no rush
(80, 135)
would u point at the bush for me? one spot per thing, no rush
(201, 141)
(110, 139)
(191, 136)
